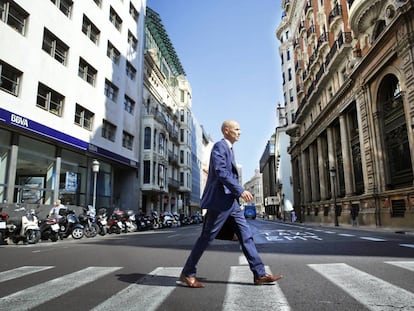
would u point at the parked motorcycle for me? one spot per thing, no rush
(143, 222)
(69, 224)
(24, 228)
(155, 220)
(3, 228)
(102, 221)
(128, 220)
(115, 222)
(49, 229)
(167, 220)
(88, 220)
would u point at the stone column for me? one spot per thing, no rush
(313, 173)
(331, 153)
(306, 181)
(346, 154)
(322, 169)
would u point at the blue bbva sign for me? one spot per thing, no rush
(19, 121)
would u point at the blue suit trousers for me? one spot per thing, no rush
(214, 222)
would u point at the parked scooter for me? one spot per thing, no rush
(88, 221)
(3, 228)
(24, 228)
(167, 220)
(102, 221)
(69, 224)
(128, 220)
(155, 219)
(49, 229)
(143, 222)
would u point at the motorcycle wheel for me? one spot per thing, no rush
(90, 231)
(32, 236)
(103, 230)
(54, 237)
(77, 233)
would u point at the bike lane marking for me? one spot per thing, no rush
(36, 295)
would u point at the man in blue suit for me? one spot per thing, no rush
(220, 198)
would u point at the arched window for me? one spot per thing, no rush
(397, 149)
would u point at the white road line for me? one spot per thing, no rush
(36, 295)
(372, 239)
(148, 293)
(346, 234)
(407, 245)
(242, 260)
(21, 271)
(370, 291)
(242, 295)
(409, 265)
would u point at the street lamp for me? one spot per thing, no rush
(332, 172)
(95, 170)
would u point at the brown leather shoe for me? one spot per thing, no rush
(267, 279)
(189, 281)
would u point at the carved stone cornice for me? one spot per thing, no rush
(363, 14)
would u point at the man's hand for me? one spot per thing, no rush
(246, 196)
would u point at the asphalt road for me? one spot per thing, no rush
(324, 269)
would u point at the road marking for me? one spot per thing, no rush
(409, 265)
(372, 239)
(372, 292)
(148, 293)
(243, 260)
(407, 245)
(36, 295)
(21, 271)
(243, 295)
(346, 234)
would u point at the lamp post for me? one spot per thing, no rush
(95, 170)
(332, 172)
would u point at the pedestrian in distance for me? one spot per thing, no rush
(221, 199)
(54, 211)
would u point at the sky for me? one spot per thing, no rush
(229, 51)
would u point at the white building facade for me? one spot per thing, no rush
(71, 93)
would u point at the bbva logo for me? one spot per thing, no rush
(19, 120)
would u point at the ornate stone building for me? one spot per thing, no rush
(352, 142)
(166, 125)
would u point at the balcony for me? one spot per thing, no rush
(362, 13)
(311, 31)
(308, 7)
(335, 14)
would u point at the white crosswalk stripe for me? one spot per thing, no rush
(153, 289)
(21, 271)
(29, 298)
(243, 295)
(369, 290)
(156, 286)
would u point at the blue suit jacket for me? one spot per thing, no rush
(222, 187)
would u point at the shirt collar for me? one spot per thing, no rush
(229, 143)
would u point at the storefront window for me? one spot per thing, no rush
(73, 176)
(4, 152)
(104, 186)
(35, 172)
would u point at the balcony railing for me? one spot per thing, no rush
(311, 30)
(336, 11)
(308, 6)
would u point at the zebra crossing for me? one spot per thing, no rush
(154, 288)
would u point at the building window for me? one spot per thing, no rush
(182, 179)
(84, 117)
(55, 47)
(147, 172)
(115, 19)
(130, 71)
(182, 115)
(132, 41)
(108, 130)
(49, 100)
(147, 138)
(129, 104)
(87, 72)
(127, 140)
(90, 30)
(290, 74)
(113, 53)
(133, 11)
(161, 144)
(65, 6)
(111, 90)
(181, 157)
(10, 78)
(13, 15)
